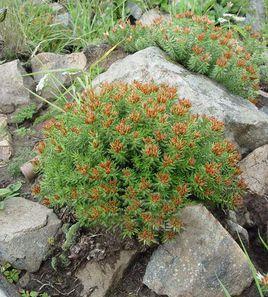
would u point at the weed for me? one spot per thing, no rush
(25, 113)
(11, 274)
(8, 192)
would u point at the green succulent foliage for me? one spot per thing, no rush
(9, 192)
(132, 157)
(199, 45)
(71, 237)
(11, 274)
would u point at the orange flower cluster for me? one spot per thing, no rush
(117, 146)
(122, 127)
(151, 150)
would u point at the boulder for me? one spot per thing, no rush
(5, 140)
(255, 171)
(193, 263)
(52, 72)
(26, 228)
(243, 121)
(13, 86)
(98, 279)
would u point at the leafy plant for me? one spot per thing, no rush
(71, 235)
(11, 274)
(132, 156)
(8, 192)
(202, 47)
(25, 293)
(25, 113)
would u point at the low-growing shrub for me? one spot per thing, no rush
(202, 47)
(130, 156)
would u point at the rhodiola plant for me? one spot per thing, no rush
(131, 155)
(201, 46)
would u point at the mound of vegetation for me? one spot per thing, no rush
(131, 156)
(201, 46)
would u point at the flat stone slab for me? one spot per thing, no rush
(26, 228)
(200, 256)
(98, 279)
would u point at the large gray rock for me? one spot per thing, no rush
(26, 228)
(244, 122)
(13, 86)
(200, 256)
(255, 171)
(256, 15)
(98, 279)
(52, 72)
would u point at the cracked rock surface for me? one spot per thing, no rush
(26, 228)
(255, 171)
(192, 264)
(13, 86)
